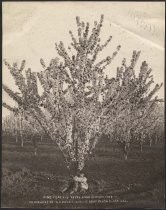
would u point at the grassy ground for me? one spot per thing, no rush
(139, 180)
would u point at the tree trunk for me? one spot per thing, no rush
(22, 142)
(41, 137)
(150, 142)
(76, 166)
(125, 156)
(114, 146)
(156, 139)
(126, 150)
(21, 138)
(16, 131)
(35, 145)
(21, 130)
(141, 146)
(35, 152)
(75, 140)
(16, 138)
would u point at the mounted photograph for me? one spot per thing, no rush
(83, 105)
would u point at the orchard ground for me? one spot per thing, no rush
(138, 180)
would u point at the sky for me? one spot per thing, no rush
(31, 29)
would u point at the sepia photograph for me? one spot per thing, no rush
(83, 102)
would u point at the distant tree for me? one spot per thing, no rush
(130, 103)
(153, 125)
(8, 127)
(20, 127)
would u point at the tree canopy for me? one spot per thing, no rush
(79, 102)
